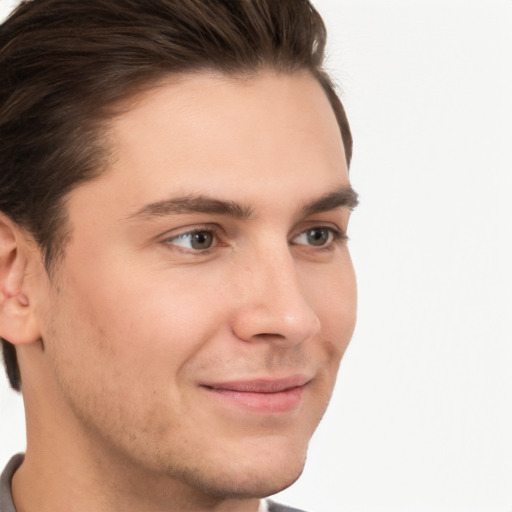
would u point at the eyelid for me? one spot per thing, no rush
(338, 235)
(334, 227)
(167, 239)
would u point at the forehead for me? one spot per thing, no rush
(209, 133)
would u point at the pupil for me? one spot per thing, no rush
(318, 236)
(202, 240)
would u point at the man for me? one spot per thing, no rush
(176, 290)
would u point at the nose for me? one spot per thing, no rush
(271, 302)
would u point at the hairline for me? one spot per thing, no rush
(107, 115)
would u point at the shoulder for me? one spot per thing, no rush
(276, 507)
(6, 503)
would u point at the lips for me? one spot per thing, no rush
(261, 395)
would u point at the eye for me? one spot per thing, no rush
(317, 237)
(196, 240)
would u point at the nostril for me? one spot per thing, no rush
(269, 336)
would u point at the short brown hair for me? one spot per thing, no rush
(65, 63)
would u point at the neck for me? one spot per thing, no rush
(44, 485)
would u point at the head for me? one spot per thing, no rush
(145, 148)
(63, 78)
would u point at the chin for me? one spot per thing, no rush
(274, 481)
(245, 475)
(253, 484)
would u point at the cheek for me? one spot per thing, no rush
(119, 338)
(140, 318)
(333, 293)
(333, 296)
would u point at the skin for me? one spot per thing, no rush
(116, 349)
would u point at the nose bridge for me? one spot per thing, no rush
(274, 303)
(278, 276)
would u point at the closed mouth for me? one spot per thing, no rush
(264, 396)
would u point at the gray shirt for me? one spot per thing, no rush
(7, 504)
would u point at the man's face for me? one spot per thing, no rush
(197, 321)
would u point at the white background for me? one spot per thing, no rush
(421, 419)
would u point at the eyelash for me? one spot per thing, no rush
(336, 237)
(210, 229)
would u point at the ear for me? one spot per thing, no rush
(18, 324)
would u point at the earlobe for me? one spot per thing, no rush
(17, 321)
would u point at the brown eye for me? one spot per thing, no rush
(195, 240)
(201, 240)
(316, 237)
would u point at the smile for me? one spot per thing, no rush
(261, 395)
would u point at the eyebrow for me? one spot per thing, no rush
(193, 204)
(342, 197)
